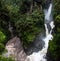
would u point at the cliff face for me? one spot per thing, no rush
(15, 49)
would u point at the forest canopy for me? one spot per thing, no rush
(26, 23)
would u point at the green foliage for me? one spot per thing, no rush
(2, 41)
(13, 8)
(54, 47)
(10, 5)
(1, 47)
(26, 25)
(5, 59)
(2, 37)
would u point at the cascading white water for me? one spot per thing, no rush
(48, 13)
(41, 55)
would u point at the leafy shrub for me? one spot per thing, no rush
(2, 37)
(5, 59)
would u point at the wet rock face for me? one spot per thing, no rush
(36, 45)
(15, 49)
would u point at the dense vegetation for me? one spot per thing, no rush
(55, 44)
(27, 22)
(5, 59)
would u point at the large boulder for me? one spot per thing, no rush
(15, 49)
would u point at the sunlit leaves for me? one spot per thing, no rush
(2, 37)
(13, 8)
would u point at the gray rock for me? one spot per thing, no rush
(15, 49)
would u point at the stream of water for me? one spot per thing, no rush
(49, 25)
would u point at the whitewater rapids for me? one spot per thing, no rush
(41, 55)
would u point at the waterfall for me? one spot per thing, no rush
(49, 25)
